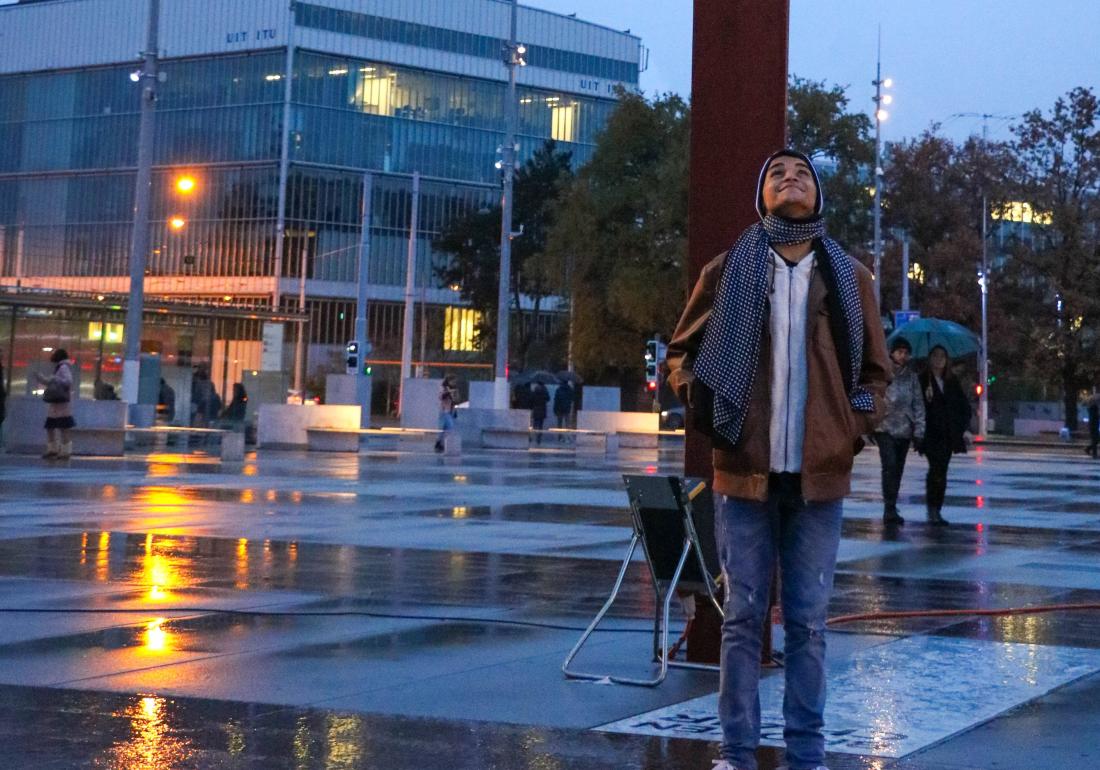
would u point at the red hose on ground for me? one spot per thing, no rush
(1037, 609)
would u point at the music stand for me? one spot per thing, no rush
(665, 523)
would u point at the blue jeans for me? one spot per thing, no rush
(805, 537)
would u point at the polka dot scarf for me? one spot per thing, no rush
(730, 352)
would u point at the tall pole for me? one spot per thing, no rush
(284, 164)
(300, 348)
(983, 281)
(878, 172)
(143, 193)
(905, 273)
(512, 59)
(410, 292)
(363, 273)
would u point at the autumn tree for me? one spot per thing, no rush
(472, 245)
(840, 143)
(1055, 264)
(620, 239)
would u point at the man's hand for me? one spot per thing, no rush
(918, 445)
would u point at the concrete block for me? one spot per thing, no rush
(332, 440)
(350, 389)
(470, 422)
(284, 425)
(384, 441)
(99, 442)
(452, 444)
(420, 407)
(233, 447)
(481, 394)
(24, 431)
(505, 438)
(638, 440)
(597, 443)
(601, 399)
(614, 422)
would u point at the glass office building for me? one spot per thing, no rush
(276, 110)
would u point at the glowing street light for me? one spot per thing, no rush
(880, 117)
(177, 223)
(186, 184)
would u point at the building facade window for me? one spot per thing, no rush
(455, 41)
(460, 329)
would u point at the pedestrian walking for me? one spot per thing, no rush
(234, 414)
(205, 403)
(540, 396)
(166, 401)
(1093, 407)
(780, 357)
(946, 417)
(58, 395)
(448, 401)
(904, 422)
(563, 404)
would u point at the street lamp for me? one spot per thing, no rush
(143, 184)
(881, 115)
(185, 185)
(514, 56)
(177, 223)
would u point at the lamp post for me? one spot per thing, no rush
(143, 189)
(983, 282)
(880, 116)
(513, 55)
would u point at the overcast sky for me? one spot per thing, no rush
(946, 56)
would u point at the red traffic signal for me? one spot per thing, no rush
(978, 390)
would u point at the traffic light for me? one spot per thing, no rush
(352, 352)
(651, 358)
(978, 390)
(654, 353)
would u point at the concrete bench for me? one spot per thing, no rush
(506, 438)
(649, 439)
(594, 441)
(99, 442)
(350, 439)
(231, 443)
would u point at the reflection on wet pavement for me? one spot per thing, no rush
(362, 597)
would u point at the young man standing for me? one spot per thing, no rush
(904, 422)
(780, 357)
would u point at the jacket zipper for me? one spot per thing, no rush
(787, 420)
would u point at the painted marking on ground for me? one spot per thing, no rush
(896, 698)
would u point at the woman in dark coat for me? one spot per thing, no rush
(946, 417)
(540, 396)
(235, 412)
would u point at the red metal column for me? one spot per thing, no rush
(738, 118)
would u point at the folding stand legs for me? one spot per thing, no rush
(661, 622)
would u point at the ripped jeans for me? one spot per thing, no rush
(805, 537)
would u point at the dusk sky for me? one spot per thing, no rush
(946, 56)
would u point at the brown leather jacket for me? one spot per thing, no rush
(833, 428)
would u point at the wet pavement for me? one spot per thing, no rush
(401, 610)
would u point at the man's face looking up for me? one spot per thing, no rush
(789, 189)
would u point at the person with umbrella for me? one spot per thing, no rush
(947, 417)
(904, 422)
(563, 403)
(539, 398)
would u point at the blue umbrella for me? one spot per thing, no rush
(924, 334)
